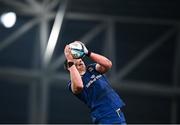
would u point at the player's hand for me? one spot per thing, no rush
(84, 48)
(67, 53)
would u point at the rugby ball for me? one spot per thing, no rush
(77, 50)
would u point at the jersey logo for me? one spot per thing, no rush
(93, 76)
(90, 69)
(93, 79)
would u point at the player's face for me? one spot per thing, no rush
(79, 63)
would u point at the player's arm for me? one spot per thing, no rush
(103, 63)
(76, 81)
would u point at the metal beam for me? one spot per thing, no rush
(126, 86)
(54, 33)
(33, 90)
(144, 88)
(122, 19)
(16, 4)
(95, 17)
(137, 87)
(44, 32)
(35, 6)
(85, 39)
(24, 75)
(43, 102)
(44, 81)
(46, 58)
(33, 3)
(33, 102)
(142, 55)
(16, 74)
(110, 45)
(39, 48)
(52, 4)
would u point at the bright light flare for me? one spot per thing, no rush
(8, 19)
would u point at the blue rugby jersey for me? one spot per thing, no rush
(98, 94)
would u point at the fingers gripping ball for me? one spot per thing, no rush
(77, 50)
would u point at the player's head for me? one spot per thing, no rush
(79, 63)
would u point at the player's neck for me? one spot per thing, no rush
(82, 72)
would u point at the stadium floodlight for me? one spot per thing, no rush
(8, 19)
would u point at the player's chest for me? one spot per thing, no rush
(91, 78)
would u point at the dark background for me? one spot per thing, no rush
(141, 37)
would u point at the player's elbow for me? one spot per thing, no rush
(77, 89)
(109, 64)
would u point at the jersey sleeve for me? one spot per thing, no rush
(69, 86)
(80, 95)
(91, 67)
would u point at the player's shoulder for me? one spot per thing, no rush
(91, 67)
